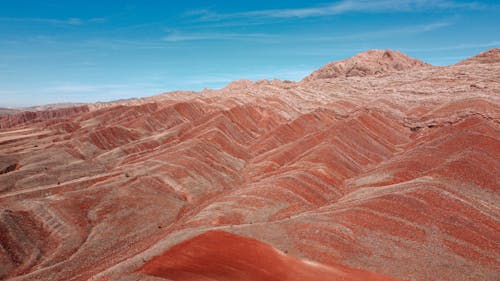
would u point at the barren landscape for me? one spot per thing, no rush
(376, 167)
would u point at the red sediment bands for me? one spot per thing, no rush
(379, 165)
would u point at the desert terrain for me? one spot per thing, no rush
(376, 167)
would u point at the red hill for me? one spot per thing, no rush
(371, 62)
(390, 175)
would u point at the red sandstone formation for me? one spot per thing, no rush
(490, 56)
(379, 167)
(368, 63)
(218, 255)
(25, 117)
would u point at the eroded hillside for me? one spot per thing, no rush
(378, 167)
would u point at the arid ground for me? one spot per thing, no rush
(377, 167)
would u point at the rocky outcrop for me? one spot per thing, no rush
(8, 164)
(490, 56)
(372, 62)
(26, 117)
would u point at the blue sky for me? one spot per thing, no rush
(84, 51)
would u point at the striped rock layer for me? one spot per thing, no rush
(379, 167)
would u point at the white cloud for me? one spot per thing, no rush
(68, 21)
(180, 36)
(420, 28)
(463, 46)
(341, 7)
(80, 92)
(177, 36)
(83, 88)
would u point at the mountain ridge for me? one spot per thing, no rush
(391, 175)
(369, 62)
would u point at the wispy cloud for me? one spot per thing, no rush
(77, 45)
(115, 44)
(77, 92)
(68, 21)
(82, 92)
(389, 32)
(340, 7)
(178, 36)
(83, 88)
(463, 46)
